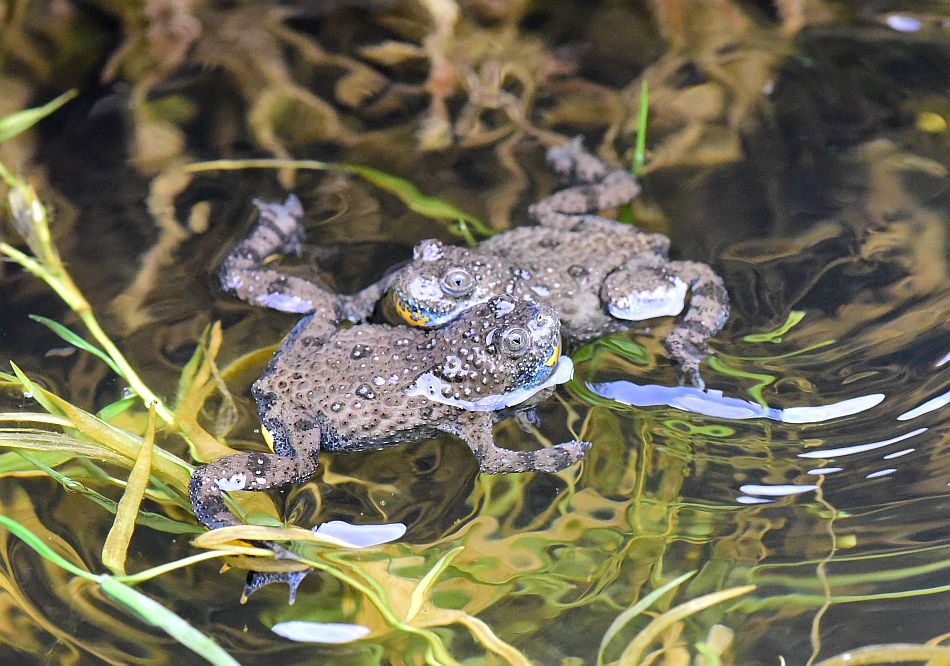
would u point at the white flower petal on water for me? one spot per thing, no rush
(320, 632)
(361, 536)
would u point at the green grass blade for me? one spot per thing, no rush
(794, 317)
(428, 206)
(113, 409)
(640, 149)
(120, 534)
(76, 340)
(415, 200)
(137, 603)
(37, 544)
(34, 392)
(628, 615)
(156, 615)
(18, 122)
(13, 463)
(633, 652)
(148, 519)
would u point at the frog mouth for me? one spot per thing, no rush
(410, 316)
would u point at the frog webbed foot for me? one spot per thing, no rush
(573, 164)
(258, 579)
(476, 432)
(279, 225)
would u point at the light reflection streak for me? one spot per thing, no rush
(859, 448)
(883, 472)
(714, 403)
(778, 490)
(898, 454)
(929, 406)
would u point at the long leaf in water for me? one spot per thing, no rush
(31, 439)
(154, 521)
(16, 123)
(137, 603)
(113, 409)
(195, 386)
(40, 546)
(120, 534)
(634, 650)
(167, 466)
(76, 340)
(153, 613)
(423, 204)
(415, 200)
(635, 610)
(421, 593)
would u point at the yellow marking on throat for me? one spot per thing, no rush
(411, 317)
(268, 437)
(552, 359)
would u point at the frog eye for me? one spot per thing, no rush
(457, 282)
(515, 341)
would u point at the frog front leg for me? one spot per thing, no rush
(279, 230)
(649, 286)
(359, 307)
(594, 186)
(475, 429)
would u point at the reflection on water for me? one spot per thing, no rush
(814, 467)
(714, 403)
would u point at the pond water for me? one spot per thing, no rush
(804, 155)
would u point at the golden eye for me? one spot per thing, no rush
(457, 282)
(515, 341)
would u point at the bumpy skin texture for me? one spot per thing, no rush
(597, 273)
(372, 386)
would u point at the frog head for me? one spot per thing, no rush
(441, 282)
(495, 355)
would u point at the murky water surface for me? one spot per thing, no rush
(806, 163)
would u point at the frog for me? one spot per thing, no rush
(601, 275)
(371, 386)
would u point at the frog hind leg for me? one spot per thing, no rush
(475, 429)
(707, 314)
(594, 186)
(278, 230)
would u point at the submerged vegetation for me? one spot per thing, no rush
(687, 537)
(68, 437)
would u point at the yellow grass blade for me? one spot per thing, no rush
(116, 547)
